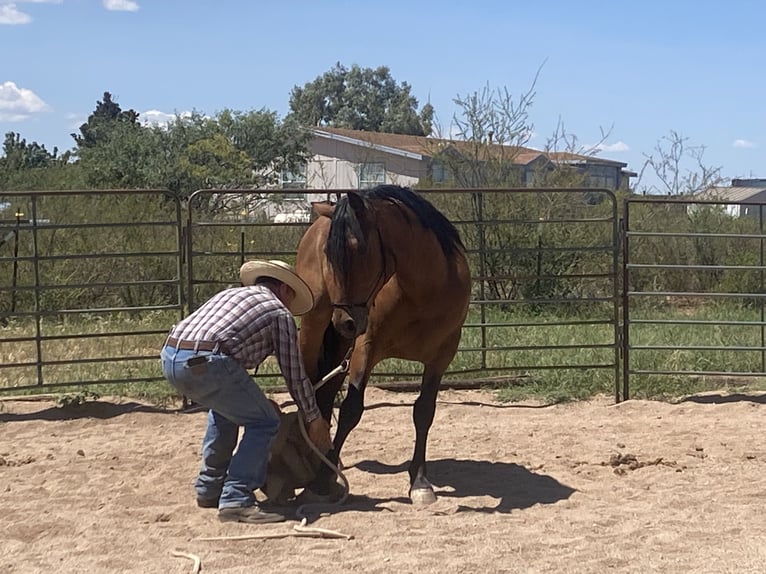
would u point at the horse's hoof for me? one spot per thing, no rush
(422, 496)
(311, 497)
(308, 496)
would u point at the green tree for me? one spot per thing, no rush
(125, 156)
(272, 145)
(231, 149)
(215, 162)
(18, 154)
(360, 99)
(101, 121)
(193, 151)
(115, 151)
(27, 166)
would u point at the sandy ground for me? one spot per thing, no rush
(583, 487)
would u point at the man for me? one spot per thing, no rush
(206, 357)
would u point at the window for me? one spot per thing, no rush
(440, 173)
(601, 181)
(294, 179)
(371, 174)
(601, 176)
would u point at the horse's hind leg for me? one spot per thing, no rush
(421, 490)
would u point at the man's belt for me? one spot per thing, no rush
(194, 345)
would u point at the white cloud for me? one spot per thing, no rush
(147, 118)
(18, 104)
(616, 147)
(743, 143)
(74, 121)
(121, 5)
(10, 13)
(158, 118)
(155, 117)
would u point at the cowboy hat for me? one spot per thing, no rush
(281, 271)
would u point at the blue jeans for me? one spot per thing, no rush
(234, 399)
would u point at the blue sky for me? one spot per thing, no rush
(640, 69)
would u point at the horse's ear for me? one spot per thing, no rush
(323, 208)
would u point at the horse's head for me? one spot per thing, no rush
(356, 259)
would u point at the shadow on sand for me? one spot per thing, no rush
(513, 486)
(89, 409)
(717, 398)
(500, 406)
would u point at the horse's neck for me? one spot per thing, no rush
(409, 250)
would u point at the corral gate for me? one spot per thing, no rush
(87, 280)
(693, 290)
(544, 261)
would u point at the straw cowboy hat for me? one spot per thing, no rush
(281, 271)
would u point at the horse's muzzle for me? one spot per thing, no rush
(350, 321)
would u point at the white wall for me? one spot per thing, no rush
(335, 164)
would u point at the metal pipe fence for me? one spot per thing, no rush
(693, 293)
(90, 277)
(99, 278)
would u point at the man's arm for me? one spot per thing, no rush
(288, 355)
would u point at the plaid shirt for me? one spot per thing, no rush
(251, 323)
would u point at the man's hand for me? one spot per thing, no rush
(319, 433)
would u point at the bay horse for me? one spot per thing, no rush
(390, 280)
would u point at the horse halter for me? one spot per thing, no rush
(348, 307)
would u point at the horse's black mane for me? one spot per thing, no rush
(344, 223)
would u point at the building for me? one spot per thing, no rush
(350, 159)
(742, 198)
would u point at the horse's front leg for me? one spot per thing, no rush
(349, 415)
(421, 490)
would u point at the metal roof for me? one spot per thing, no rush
(419, 146)
(733, 194)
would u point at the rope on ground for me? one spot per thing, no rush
(320, 507)
(196, 567)
(297, 532)
(30, 398)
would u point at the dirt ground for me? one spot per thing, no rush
(582, 487)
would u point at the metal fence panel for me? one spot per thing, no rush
(693, 289)
(544, 262)
(87, 278)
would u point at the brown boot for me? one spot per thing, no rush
(248, 514)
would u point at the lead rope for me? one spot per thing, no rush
(342, 368)
(318, 507)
